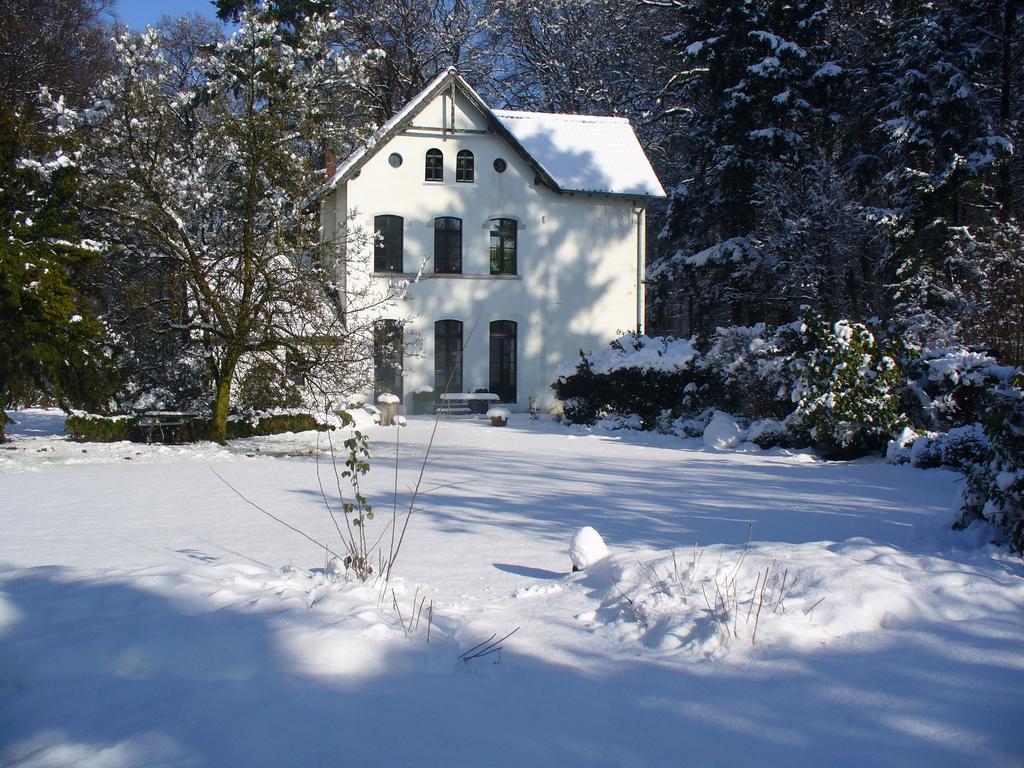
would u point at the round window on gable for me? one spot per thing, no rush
(500, 165)
(394, 159)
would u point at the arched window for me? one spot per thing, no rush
(447, 245)
(435, 165)
(387, 248)
(387, 358)
(503, 360)
(448, 356)
(503, 246)
(464, 166)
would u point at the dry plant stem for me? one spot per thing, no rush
(430, 619)
(398, 610)
(323, 495)
(807, 612)
(394, 495)
(254, 505)
(350, 540)
(487, 647)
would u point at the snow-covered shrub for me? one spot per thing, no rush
(995, 486)
(722, 432)
(91, 428)
(273, 423)
(947, 388)
(768, 433)
(757, 367)
(848, 402)
(634, 376)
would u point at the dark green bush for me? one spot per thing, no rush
(88, 428)
(995, 486)
(274, 424)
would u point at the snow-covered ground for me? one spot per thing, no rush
(149, 616)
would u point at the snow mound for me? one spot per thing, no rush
(722, 432)
(499, 413)
(387, 397)
(586, 548)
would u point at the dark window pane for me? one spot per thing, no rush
(448, 245)
(503, 361)
(435, 165)
(503, 246)
(387, 250)
(447, 356)
(464, 166)
(387, 358)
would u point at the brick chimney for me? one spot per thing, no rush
(330, 164)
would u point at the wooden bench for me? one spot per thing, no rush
(458, 403)
(166, 422)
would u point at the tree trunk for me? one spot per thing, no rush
(3, 423)
(1004, 188)
(219, 422)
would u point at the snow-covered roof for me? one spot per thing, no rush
(584, 153)
(571, 153)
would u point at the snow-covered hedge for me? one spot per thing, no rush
(93, 428)
(636, 376)
(830, 385)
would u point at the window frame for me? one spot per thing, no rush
(503, 367)
(389, 247)
(448, 370)
(447, 245)
(388, 362)
(433, 165)
(465, 167)
(505, 246)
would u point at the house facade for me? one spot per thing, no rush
(522, 235)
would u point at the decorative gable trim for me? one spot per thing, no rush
(403, 119)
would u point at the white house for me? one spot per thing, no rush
(528, 227)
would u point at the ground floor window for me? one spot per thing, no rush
(503, 360)
(447, 356)
(387, 358)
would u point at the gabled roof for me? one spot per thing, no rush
(569, 153)
(584, 153)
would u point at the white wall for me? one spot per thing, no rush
(576, 260)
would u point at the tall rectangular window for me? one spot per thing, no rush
(448, 245)
(447, 356)
(387, 358)
(503, 360)
(387, 250)
(503, 246)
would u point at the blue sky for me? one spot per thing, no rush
(138, 13)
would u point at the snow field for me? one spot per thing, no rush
(148, 616)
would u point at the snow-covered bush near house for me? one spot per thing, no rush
(634, 376)
(722, 432)
(767, 433)
(848, 402)
(642, 353)
(619, 421)
(758, 368)
(830, 385)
